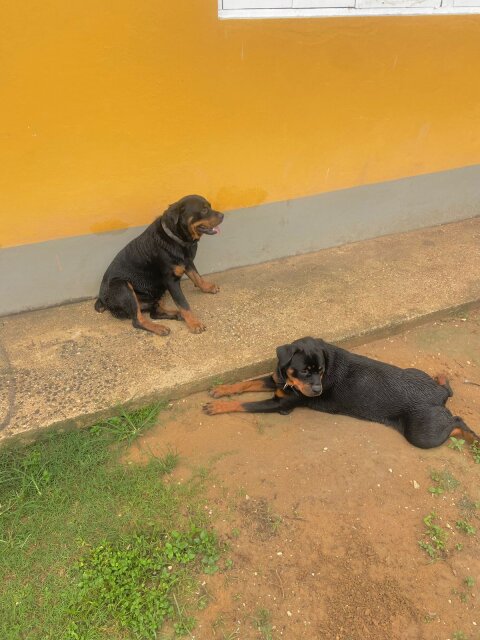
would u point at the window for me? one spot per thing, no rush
(319, 8)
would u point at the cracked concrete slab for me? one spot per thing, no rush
(70, 365)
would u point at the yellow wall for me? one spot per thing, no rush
(111, 109)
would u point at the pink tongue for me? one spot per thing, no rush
(216, 229)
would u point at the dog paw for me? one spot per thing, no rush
(214, 408)
(196, 327)
(210, 287)
(161, 330)
(219, 392)
(209, 408)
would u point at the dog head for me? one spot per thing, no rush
(191, 217)
(302, 365)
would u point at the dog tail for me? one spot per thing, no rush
(463, 431)
(99, 306)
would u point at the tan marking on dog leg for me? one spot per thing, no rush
(239, 387)
(223, 406)
(145, 323)
(200, 283)
(194, 325)
(468, 436)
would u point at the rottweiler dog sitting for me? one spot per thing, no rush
(148, 266)
(315, 374)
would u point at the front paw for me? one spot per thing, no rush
(209, 287)
(195, 326)
(221, 406)
(220, 391)
(160, 329)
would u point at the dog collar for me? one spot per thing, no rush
(175, 238)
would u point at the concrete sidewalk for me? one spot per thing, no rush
(72, 364)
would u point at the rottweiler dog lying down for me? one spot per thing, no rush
(315, 374)
(152, 264)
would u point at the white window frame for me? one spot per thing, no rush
(444, 7)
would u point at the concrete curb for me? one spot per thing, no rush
(259, 368)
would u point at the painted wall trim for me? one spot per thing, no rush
(353, 12)
(58, 271)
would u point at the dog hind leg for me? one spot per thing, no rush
(429, 427)
(434, 425)
(123, 303)
(463, 431)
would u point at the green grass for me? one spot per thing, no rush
(456, 444)
(467, 505)
(127, 426)
(466, 527)
(262, 622)
(435, 542)
(133, 582)
(475, 449)
(67, 500)
(444, 480)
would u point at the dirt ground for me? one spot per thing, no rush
(323, 514)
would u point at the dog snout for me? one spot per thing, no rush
(317, 388)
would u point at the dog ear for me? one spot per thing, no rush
(172, 214)
(284, 355)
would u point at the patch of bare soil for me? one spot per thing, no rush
(323, 514)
